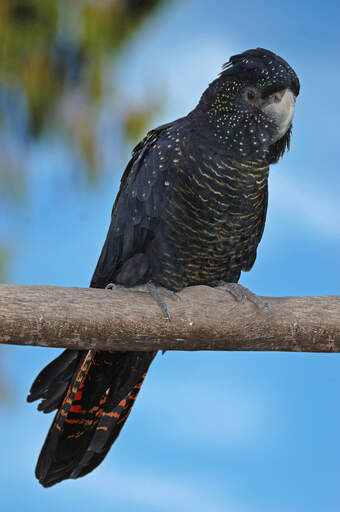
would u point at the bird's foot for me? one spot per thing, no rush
(242, 294)
(156, 291)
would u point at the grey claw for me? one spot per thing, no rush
(242, 294)
(156, 291)
(166, 312)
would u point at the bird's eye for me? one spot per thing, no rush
(251, 94)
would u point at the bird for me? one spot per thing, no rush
(191, 210)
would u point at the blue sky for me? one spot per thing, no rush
(236, 432)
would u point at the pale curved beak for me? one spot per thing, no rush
(280, 106)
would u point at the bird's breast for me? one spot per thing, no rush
(209, 223)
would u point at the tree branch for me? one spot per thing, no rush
(204, 319)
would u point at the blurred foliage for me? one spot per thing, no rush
(58, 77)
(55, 57)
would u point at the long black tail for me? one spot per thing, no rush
(94, 393)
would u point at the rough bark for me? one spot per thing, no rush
(204, 319)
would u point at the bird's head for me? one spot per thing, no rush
(250, 106)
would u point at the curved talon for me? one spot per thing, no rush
(242, 294)
(156, 291)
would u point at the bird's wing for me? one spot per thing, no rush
(250, 256)
(145, 186)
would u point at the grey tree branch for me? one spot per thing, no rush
(204, 319)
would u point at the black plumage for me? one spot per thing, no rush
(191, 210)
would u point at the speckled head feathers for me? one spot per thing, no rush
(239, 128)
(263, 67)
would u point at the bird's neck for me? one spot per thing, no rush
(237, 137)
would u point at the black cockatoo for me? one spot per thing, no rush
(191, 210)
